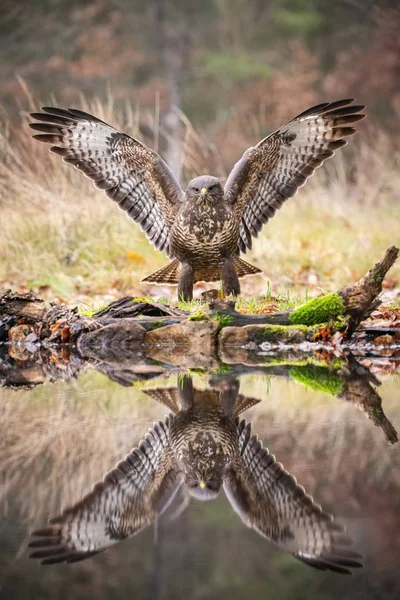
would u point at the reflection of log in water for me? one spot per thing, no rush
(357, 389)
(344, 378)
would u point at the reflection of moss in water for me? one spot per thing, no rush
(321, 379)
(283, 359)
(222, 369)
(319, 310)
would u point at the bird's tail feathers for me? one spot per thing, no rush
(244, 268)
(169, 275)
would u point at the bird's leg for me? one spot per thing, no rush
(186, 280)
(230, 280)
(228, 393)
(185, 392)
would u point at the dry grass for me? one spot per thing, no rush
(61, 237)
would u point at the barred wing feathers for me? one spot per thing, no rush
(129, 498)
(269, 500)
(272, 171)
(132, 175)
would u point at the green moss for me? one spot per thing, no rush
(156, 324)
(319, 378)
(281, 329)
(223, 320)
(89, 312)
(319, 310)
(285, 333)
(199, 315)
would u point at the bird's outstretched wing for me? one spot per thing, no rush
(128, 499)
(131, 174)
(274, 169)
(268, 499)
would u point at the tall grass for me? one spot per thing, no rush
(62, 237)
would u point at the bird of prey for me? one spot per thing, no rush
(203, 446)
(203, 229)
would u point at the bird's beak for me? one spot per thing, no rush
(202, 483)
(203, 193)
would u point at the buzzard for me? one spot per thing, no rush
(204, 228)
(203, 446)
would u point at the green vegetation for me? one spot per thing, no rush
(91, 310)
(319, 310)
(231, 68)
(283, 359)
(223, 320)
(319, 378)
(283, 333)
(199, 315)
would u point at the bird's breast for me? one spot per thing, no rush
(201, 441)
(204, 232)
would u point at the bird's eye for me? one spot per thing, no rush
(195, 189)
(211, 188)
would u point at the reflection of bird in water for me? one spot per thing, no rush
(203, 446)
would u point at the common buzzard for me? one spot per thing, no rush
(204, 228)
(204, 446)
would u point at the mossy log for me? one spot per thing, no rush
(354, 302)
(26, 319)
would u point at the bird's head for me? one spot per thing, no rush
(204, 488)
(206, 188)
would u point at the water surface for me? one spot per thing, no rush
(338, 438)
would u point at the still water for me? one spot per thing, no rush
(333, 427)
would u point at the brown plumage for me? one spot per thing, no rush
(205, 447)
(204, 228)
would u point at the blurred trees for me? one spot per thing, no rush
(217, 60)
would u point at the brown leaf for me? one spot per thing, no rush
(324, 333)
(65, 334)
(383, 340)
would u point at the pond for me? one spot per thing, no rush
(331, 423)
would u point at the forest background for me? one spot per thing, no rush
(199, 82)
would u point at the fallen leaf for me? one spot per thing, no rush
(65, 334)
(19, 333)
(135, 257)
(383, 340)
(324, 333)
